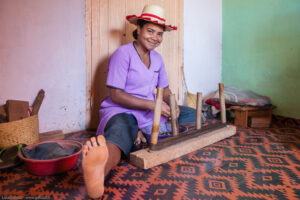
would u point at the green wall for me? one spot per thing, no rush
(261, 50)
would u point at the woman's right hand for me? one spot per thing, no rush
(165, 110)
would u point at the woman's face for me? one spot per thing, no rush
(150, 36)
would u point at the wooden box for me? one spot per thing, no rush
(260, 122)
(244, 114)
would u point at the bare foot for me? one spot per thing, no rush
(94, 158)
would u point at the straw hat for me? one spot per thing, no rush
(154, 14)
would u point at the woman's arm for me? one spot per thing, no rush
(166, 95)
(124, 99)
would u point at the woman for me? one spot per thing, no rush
(135, 70)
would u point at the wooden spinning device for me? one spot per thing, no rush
(178, 145)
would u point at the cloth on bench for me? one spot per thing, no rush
(240, 97)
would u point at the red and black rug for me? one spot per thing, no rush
(254, 164)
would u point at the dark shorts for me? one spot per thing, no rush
(122, 128)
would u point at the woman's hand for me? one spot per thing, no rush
(120, 97)
(165, 110)
(166, 98)
(177, 111)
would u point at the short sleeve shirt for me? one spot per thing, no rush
(127, 72)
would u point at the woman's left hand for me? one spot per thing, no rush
(177, 111)
(165, 110)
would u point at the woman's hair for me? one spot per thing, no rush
(141, 23)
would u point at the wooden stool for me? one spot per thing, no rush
(241, 115)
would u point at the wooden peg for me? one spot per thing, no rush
(199, 110)
(174, 121)
(38, 102)
(222, 102)
(156, 116)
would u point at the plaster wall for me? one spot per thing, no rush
(42, 46)
(202, 45)
(261, 50)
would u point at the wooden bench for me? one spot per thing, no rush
(243, 114)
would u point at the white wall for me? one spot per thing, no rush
(202, 44)
(42, 46)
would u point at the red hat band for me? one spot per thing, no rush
(144, 15)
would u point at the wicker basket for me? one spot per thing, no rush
(24, 131)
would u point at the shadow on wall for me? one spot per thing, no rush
(99, 91)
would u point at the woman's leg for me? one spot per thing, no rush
(94, 159)
(101, 154)
(187, 115)
(114, 157)
(120, 133)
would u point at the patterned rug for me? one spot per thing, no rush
(254, 164)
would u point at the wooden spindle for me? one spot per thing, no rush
(174, 121)
(222, 103)
(199, 110)
(156, 116)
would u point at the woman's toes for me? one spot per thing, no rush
(94, 142)
(85, 149)
(101, 140)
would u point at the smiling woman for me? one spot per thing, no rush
(108, 29)
(135, 70)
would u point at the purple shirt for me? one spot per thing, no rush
(127, 72)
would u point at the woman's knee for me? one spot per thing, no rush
(187, 115)
(121, 131)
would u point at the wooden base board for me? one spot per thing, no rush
(144, 159)
(51, 135)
